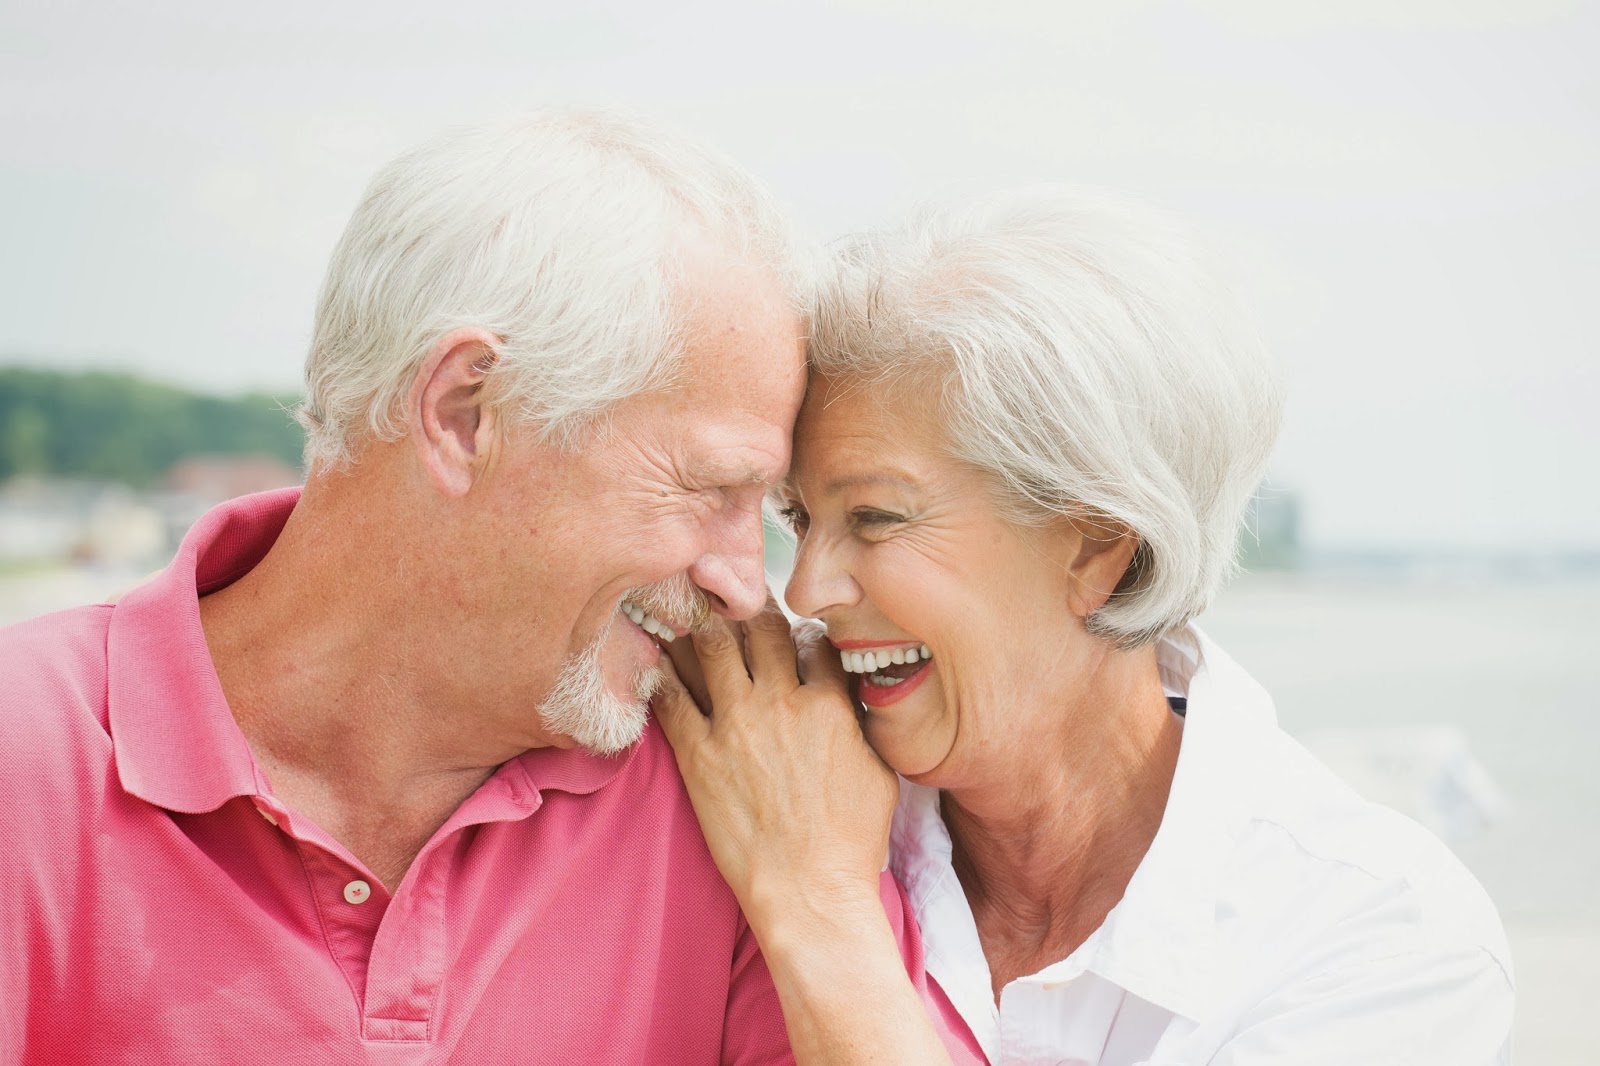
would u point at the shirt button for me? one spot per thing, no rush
(357, 892)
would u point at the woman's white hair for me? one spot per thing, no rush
(565, 235)
(1089, 359)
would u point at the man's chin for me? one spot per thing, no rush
(585, 712)
(620, 729)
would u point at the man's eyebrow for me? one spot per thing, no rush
(741, 474)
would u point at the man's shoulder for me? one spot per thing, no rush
(639, 785)
(650, 776)
(53, 650)
(53, 688)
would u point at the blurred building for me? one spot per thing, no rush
(198, 483)
(215, 478)
(50, 521)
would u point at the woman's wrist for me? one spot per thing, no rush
(842, 980)
(818, 953)
(807, 919)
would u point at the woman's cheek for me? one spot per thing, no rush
(917, 736)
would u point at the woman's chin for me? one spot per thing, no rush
(910, 750)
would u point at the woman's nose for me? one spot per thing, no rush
(819, 583)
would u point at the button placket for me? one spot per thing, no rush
(406, 968)
(350, 907)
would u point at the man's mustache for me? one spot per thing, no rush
(677, 601)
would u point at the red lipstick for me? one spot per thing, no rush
(882, 696)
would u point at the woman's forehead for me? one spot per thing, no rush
(887, 404)
(853, 432)
(843, 416)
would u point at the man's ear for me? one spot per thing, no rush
(1101, 557)
(452, 426)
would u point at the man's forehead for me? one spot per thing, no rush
(752, 452)
(740, 381)
(746, 341)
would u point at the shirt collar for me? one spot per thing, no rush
(176, 741)
(576, 770)
(177, 744)
(1158, 942)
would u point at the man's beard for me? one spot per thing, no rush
(580, 706)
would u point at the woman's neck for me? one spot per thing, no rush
(1047, 840)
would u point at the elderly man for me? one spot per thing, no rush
(366, 775)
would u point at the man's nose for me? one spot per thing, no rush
(732, 575)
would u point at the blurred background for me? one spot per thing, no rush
(1407, 190)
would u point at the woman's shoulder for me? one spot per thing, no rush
(1329, 899)
(1311, 881)
(1320, 896)
(1358, 879)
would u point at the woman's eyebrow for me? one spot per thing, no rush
(879, 477)
(786, 486)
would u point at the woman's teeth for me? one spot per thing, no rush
(648, 622)
(869, 662)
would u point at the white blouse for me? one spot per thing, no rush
(1277, 918)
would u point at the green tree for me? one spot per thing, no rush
(119, 427)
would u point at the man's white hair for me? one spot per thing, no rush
(564, 235)
(1089, 359)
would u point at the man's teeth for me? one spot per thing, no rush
(869, 662)
(648, 622)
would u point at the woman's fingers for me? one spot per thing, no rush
(771, 650)
(682, 658)
(678, 713)
(786, 789)
(718, 647)
(818, 659)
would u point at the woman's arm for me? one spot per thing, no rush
(795, 808)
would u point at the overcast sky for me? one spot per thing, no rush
(1409, 189)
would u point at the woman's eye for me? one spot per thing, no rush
(871, 518)
(795, 518)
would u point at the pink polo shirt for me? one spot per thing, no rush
(158, 904)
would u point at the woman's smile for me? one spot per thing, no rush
(889, 670)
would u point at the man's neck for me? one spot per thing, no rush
(345, 689)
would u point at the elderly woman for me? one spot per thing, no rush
(1019, 475)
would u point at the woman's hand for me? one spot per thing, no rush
(794, 805)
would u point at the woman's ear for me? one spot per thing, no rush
(1099, 559)
(452, 424)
